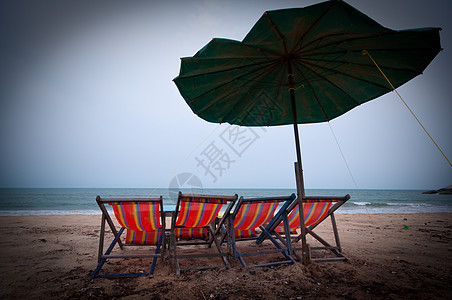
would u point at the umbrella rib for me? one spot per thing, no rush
(333, 84)
(315, 96)
(311, 51)
(281, 80)
(313, 25)
(264, 51)
(332, 35)
(224, 70)
(276, 31)
(274, 102)
(308, 60)
(339, 62)
(207, 107)
(251, 80)
(263, 71)
(343, 73)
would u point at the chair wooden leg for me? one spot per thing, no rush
(328, 246)
(336, 234)
(174, 261)
(101, 239)
(217, 244)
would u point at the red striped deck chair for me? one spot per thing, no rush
(250, 214)
(144, 223)
(193, 225)
(315, 211)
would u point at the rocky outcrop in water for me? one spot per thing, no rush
(444, 191)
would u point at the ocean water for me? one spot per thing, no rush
(14, 202)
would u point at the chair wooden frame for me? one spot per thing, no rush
(308, 203)
(250, 214)
(160, 244)
(177, 242)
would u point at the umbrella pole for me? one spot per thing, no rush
(298, 170)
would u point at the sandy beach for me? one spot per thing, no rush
(391, 256)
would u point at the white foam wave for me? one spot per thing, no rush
(362, 203)
(408, 204)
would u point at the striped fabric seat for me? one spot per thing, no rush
(198, 212)
(251, 215)
(314, 213)
(243, 234)
(191, 233)
(134, 237)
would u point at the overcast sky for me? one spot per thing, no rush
(87, 100)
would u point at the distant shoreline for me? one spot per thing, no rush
(82, 201)
(95, 213)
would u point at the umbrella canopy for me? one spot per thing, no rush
(246, 83)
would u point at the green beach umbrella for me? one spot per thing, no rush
(302, 65)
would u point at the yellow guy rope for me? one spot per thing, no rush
(365, 52)
(180, 164)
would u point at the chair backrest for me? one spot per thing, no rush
(143, 218)
(194, 211)
(315, 210)
(252, 213)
